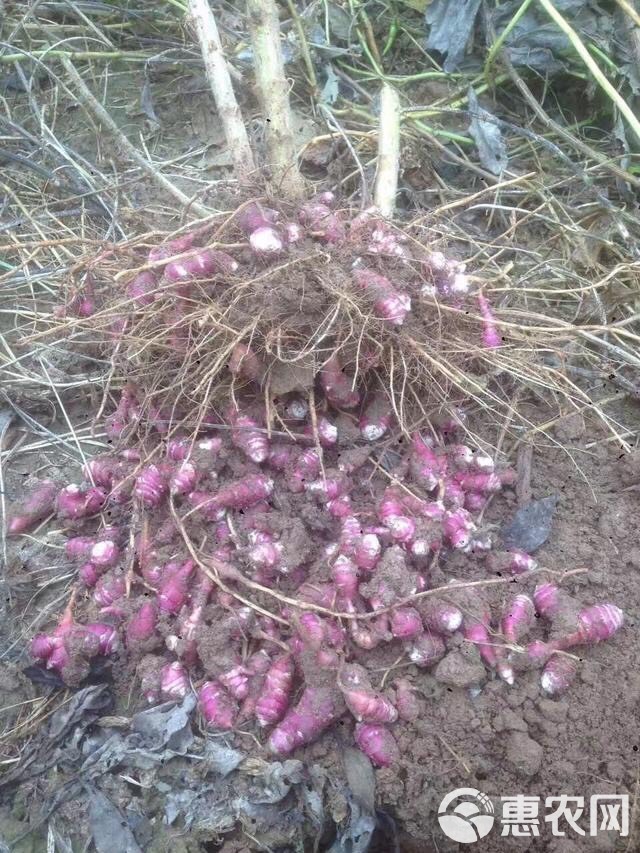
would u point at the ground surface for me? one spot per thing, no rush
(500, 740)
(503, 741)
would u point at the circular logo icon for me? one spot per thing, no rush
(466, 815)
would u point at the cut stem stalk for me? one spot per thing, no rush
(273, 90)
(388, 151)
(220, 81)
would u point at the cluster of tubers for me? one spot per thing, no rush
(262, 570)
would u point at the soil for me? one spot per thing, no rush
(475, 731)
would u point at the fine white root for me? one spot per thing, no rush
(273, 90)
(220, 81)
(388, 151)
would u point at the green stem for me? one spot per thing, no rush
(404, 116)
(603, 56)
(495, 47)
(438, 131)
(130, 56)
(391, 36)
(304, 46)
(397, 79)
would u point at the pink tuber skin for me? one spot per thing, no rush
(117, 422)
(327, 431)
(491, 338)
(484, 484)
(518, 618)
(346, 577)
(276, 692)
(558, 674)
(306, 467)
(370, 633)
(171, 248)
(104, 553)
(339, 507)
(142, 626)
(143, 289)
(79, 546)
(312, 632)
(245, 364)
(427, 467)
(549, 599)
(317, 709)
(322, 594)
(441, 617)
(178, 449)
(367, 551)
(236, 681)
(407, 702)
(321, 222)
(264, 549)
(454, 496)
(102, 470)
(258, 665)
(280, 456)
(44, 645)
(391, 513)
(174, 681)
(183, 479)
(406, 623)
(332, 486)
(106, 635)
(217, 707)
(515, 562)
(151, 486)
(390, 304)
(361, 699)
(76, 502)
(458, 528)
(172, 592)
(427, 649)
(248, 436)
(204, 264)
(89, 574)
(595, 624)
(109, 589)
(474, 501)
(257, 223)
(538, 652)
(379, 237)
(376, 419)
(477, 632)
(184, 641)
(292, 232)
(377, 743)
(240, 494)
(337, 386)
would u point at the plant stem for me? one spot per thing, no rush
(218, 75)
(273, 90)
(93, 106)
(304, 47)
(386, 184)
(592, 65)
(495, 47)
(125, 56)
